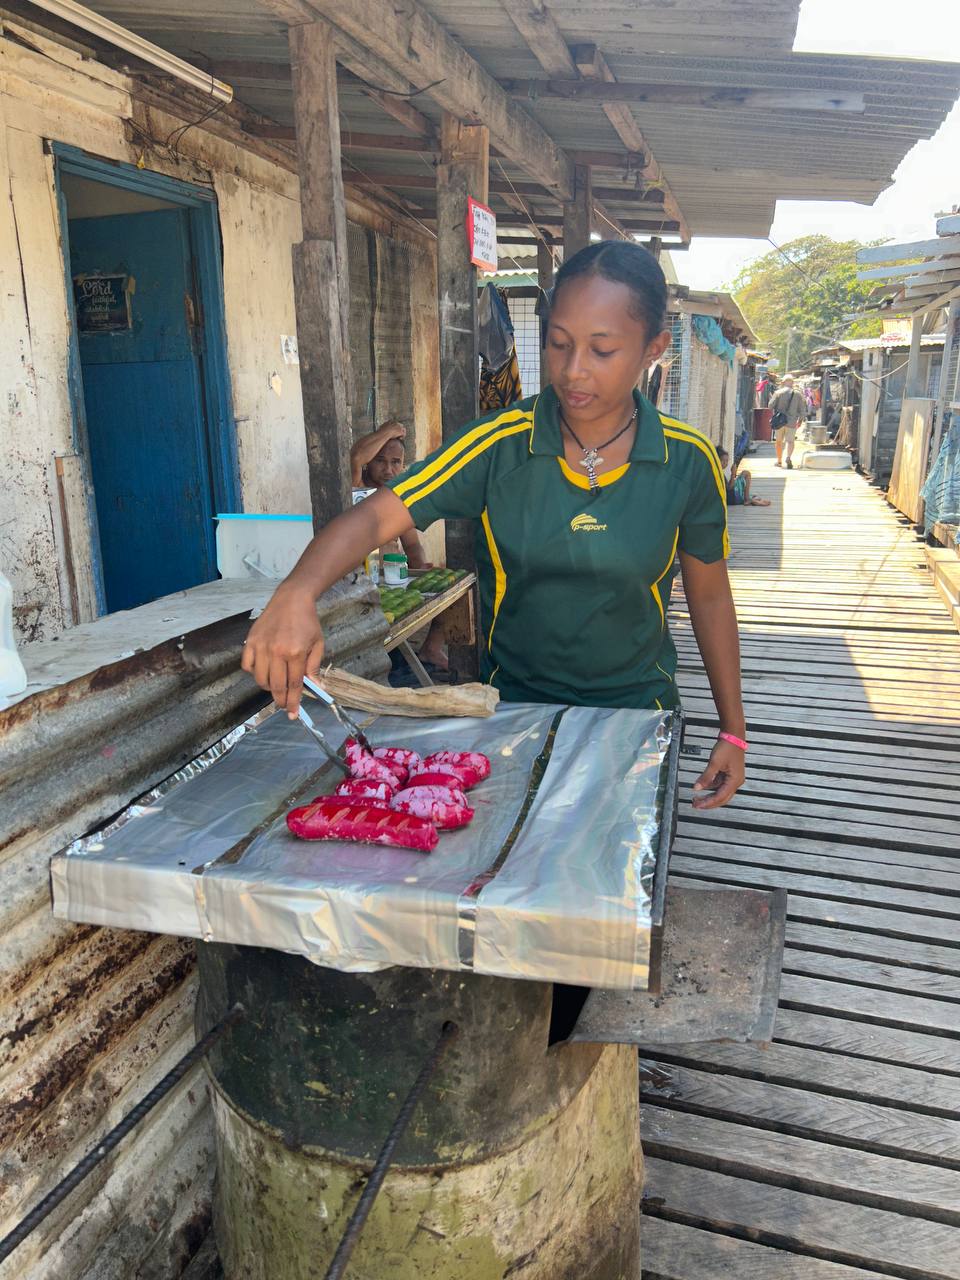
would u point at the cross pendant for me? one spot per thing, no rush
(591, 458)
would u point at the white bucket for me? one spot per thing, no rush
(250, 546)
(13, 678)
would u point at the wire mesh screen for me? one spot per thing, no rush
(526, 329)
(671, 395)
(951, 376)
(933, 374)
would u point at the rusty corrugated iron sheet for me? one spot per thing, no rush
(91, 1018)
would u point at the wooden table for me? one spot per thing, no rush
(457, 602)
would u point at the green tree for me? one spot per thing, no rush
(809, 287)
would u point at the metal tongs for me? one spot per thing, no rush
(347, 722)
(321, 741)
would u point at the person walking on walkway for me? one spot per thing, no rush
(789, 410)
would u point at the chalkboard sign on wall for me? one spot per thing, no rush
(102, 303)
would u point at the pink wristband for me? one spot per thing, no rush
(737, 742)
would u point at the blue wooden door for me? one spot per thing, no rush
(144, 405)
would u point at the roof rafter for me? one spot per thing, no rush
(546, 42)
(709, 96)
(592, 65)
(417, 48)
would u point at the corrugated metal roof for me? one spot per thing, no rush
(726, 167)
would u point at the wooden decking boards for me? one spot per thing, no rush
(833, 1154)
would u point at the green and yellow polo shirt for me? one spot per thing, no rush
(574, 586)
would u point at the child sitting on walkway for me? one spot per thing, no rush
(738, 485)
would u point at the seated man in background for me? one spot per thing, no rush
(375, 459)
(738, 484)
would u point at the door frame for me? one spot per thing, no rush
(204, 222)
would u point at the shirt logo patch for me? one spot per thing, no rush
(586, 524)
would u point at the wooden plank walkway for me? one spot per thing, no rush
(833, 1154)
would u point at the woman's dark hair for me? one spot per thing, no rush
(623, 263)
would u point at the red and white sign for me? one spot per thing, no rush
(482, 235)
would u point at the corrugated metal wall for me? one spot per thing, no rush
(382, 274)
(361, 330)
(91, 1019)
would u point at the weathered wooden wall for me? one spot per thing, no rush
(90, 1019)
(48, 92)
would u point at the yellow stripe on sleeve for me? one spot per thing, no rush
(458, 465)
(655, 588)
(458, 447)
(706, 446)
(499, 577)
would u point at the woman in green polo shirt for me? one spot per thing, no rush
(585, 498)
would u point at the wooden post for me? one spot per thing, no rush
(912, 386)
(545, 280)
(578, 213)
(655, 246)
(544, 266)
(321, 279)
(463, 171)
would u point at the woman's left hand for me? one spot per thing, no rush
(722, 778)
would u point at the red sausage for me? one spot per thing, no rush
(339, 819)
(365, 789)
(446, 790)
(446, 814)
(368, 767)
(401, 756)
(435, 778)
(461, 760)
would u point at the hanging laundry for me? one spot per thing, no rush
(499, 367)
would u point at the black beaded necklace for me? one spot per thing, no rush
(591, 457)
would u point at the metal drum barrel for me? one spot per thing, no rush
(522, 1158)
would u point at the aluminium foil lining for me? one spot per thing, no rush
(552, 881)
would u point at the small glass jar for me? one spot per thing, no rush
(395, 569)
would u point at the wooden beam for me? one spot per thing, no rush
(399, 109)
(417, 47)
(462, 172)
(711, 96)
(606, 222)
(578, 213)
(912, 381)
(321, 273)
(945, 246)
(353, 141)
(949, 225)
(653, 225)
(592, 65)
(545, 266)
(629, 161)
(522, 221)
(935, 303)
(249, 69)
(544, 38)
(502, 186)
(350, 140)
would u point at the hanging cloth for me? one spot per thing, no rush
(499, 367)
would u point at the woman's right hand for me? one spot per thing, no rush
(283, 645)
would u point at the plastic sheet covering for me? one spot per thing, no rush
(553, 880)
(941, 489)
(709, 332)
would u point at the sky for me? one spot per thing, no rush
(926, 183)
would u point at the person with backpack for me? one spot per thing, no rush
(789, 410)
